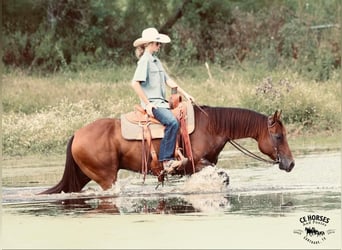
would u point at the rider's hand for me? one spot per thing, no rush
(149, 109)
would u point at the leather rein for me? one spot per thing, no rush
(254, 156)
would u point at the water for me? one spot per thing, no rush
(260, 207)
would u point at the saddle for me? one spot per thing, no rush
(132, 122)
(138, 125)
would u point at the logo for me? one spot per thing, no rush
(314, 228)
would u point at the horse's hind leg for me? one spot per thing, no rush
(105, 177)
(107, 183)
(108, 174)
(102, 169)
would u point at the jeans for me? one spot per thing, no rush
(168, 143)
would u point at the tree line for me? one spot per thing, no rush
(53, 35)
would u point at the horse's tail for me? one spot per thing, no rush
(73, 179)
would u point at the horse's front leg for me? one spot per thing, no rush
(202, 163)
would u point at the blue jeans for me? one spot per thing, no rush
(168, 143)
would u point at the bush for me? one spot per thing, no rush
(308, 106)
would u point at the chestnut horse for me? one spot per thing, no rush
(98, 151)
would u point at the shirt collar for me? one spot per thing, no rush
(150, 56)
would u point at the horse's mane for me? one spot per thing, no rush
(233, 121)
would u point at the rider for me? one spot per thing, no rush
(149, 83)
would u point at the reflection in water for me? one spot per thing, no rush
(269, 204)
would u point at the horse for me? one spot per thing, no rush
(98, 150)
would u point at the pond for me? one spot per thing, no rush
(262, 207)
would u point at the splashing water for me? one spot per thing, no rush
(208, 180)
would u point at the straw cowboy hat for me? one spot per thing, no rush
(151, 35)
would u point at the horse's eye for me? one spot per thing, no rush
(278, 137)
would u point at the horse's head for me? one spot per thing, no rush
(275, 143)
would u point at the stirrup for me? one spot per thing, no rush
(173, 165)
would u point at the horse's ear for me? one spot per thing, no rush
(270, 120)
(273, 118)
(278, 114)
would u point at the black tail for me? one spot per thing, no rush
(73, 179)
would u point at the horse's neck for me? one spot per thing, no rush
(244, 124)
(251, 129)
(234, 123)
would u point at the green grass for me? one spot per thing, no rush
(42, 112)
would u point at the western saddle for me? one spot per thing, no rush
(139, 117)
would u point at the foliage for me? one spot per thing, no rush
(308, 106)
(47, 130)
(70, 35)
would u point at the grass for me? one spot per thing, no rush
(42, 112)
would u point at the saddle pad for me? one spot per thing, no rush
(132, 131)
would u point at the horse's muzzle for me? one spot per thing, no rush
(286, 164)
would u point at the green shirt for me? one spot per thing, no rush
(152, 77)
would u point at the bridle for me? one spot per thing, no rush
(274, 142)
(257, 157)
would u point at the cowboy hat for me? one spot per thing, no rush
(151, 35)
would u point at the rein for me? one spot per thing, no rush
(199, 107)
(254, 156)
(250, 154)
